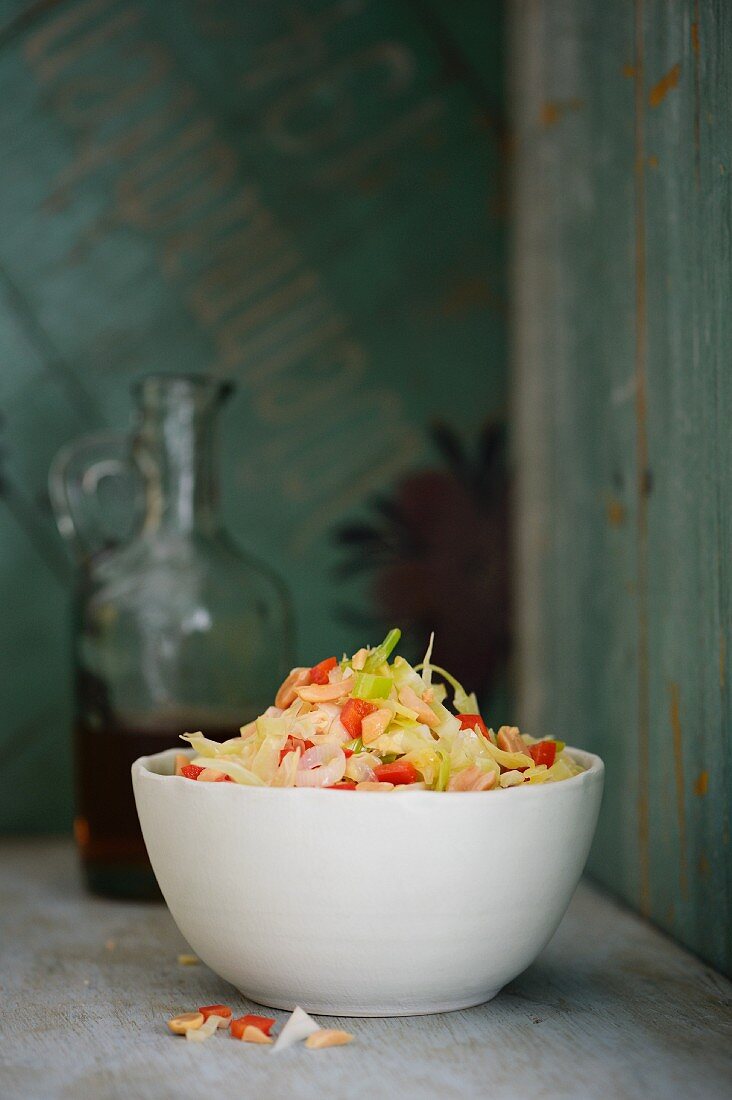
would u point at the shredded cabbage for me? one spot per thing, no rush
(464, 703)
(427, 671)
(238, 772)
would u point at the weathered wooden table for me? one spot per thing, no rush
(611, 1009)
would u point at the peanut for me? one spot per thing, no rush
(410, 699)
(286, 694)
(510, 740)
(328, 1037)
(464, 780)
(252, 1034)
(374, 724)
(202, 1034)
(188, 1021)
(486, 782)
(180, 762)
(359, 659)
(325, 693)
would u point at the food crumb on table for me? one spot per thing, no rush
(202, 1025)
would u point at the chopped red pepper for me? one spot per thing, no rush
(401, 771)
(543, 752)
(470, 721)
(344, 785)
(288, 746)
(347, 752)
(191, 771)
(264, 1023)
(224, 779)
(353, 713)
(319, 672)
(291, 744)
(215, 1010)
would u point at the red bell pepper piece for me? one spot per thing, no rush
(191, 771)
(344, 785)
(288, 746)
(543, 752)
(264, 1023)
(470, 721)
(353, 713)
(215, 1010)
(319, 672)
(291, 744)
(401, 771)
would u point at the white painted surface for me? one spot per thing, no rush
(612, 1009)
(251, 874)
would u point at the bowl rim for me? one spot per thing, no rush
(594, 770)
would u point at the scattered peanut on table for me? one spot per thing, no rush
(328, 1037)
(205, 1031)
(188, 1021)
(252, 1034)
(202, 1025)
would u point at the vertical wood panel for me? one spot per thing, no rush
(622, 282)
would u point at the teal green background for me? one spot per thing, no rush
(306, 199)
(623, 283)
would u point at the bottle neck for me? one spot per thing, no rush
(175, 451)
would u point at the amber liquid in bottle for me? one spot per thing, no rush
(106, 826)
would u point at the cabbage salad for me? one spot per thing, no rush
(372, 722)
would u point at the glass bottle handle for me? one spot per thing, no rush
(96, 493)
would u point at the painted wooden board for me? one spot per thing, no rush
(611, 1010)
(304, 198)
(623, 401)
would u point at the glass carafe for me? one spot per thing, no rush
(175, 629)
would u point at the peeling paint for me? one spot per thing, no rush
(695, 38)
(553, 109)
(668, 81)
(615, 511)
(701, 784)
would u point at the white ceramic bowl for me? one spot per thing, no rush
(373, 904)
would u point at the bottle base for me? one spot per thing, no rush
(121, 882)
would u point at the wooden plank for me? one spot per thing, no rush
(611, 1009)
(623, 395)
